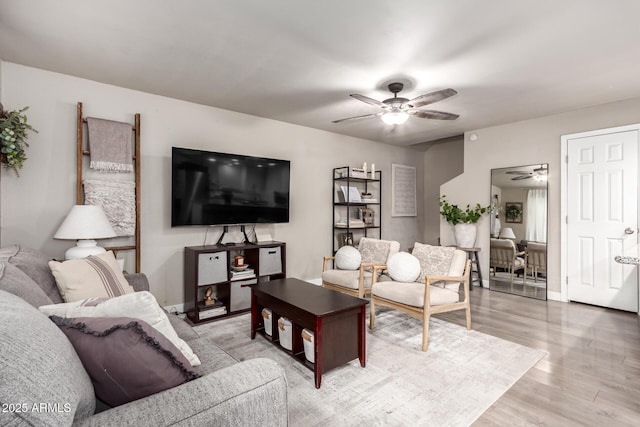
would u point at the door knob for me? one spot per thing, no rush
(628, 230)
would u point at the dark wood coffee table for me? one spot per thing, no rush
(337, 321)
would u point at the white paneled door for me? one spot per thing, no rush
(602, 219)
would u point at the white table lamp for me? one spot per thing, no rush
(85, 223)
(507, 233)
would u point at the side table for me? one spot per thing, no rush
(472, 254)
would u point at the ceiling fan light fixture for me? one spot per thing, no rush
(394, 117)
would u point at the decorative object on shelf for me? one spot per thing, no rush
(373, 171)
(85, 223)
(238, 261)
(13, 135)
(207, 296)
(364, 169)
(464, 221)
(367, 216)
(513, 212)
(345, 239)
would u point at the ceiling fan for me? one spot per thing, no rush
(397, 110)
(537, 173)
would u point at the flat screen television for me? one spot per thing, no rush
(209, 188)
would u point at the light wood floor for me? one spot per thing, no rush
(591, 374)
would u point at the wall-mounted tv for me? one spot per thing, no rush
(209, 188)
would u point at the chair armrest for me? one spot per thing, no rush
(247, 393)
(138, 281)
(429, 279)
(325, 260)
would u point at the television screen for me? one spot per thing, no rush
(210, 188)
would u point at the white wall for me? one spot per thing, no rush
(34, 205)
(528, 142)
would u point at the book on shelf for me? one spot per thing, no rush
(208, 314)
(203, 307)
(358, 223)
(244, 274)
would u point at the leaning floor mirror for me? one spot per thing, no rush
(518, 248)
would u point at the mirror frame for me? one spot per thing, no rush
(520, 286)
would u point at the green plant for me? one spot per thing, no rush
(13, 135)
(456, 215)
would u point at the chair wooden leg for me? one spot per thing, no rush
(372, 313)
(425, 331)
(467, 309)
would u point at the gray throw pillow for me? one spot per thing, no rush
(16, 282)
(36, 265)
(126, 358)
(39, 369)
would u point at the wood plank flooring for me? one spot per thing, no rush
(591, 374)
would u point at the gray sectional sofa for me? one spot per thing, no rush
(43, 382)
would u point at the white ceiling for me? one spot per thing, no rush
(500, 177)
(298, 60)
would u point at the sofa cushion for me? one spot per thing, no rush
(412, 293)
(16, 282)
(126, 358)
(38, 366)
(346, 278)
(91, 277)
(213, 357)
(140, 305)
(36, 265)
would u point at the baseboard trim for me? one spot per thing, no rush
(555, 296)
(317, 281)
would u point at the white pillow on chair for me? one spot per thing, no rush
(348, 258)
(403, 267)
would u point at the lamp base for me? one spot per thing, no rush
(83, 249)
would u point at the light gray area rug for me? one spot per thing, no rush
(461, 375)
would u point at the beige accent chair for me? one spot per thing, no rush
(503, 254)
(375, 253)
(535, 255)
(430, 294)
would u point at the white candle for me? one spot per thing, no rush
(373, 171)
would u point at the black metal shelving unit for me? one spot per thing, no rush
(344, 211)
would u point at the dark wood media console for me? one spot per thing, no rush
(211, 266)
(337, 321)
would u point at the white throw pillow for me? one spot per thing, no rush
(403, 267)
(348, 258)
(93, 277)
(139, 305)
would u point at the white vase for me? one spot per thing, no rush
(465, 235)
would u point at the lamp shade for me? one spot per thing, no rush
(507, 233)
(85, 222)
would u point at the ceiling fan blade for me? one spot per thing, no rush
(433, 114)
(517, 173)
(521, 177)
(357, 117)
(368, 100)
(430, 98)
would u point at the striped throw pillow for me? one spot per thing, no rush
(93, 277)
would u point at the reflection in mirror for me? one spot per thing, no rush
(518, 248)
